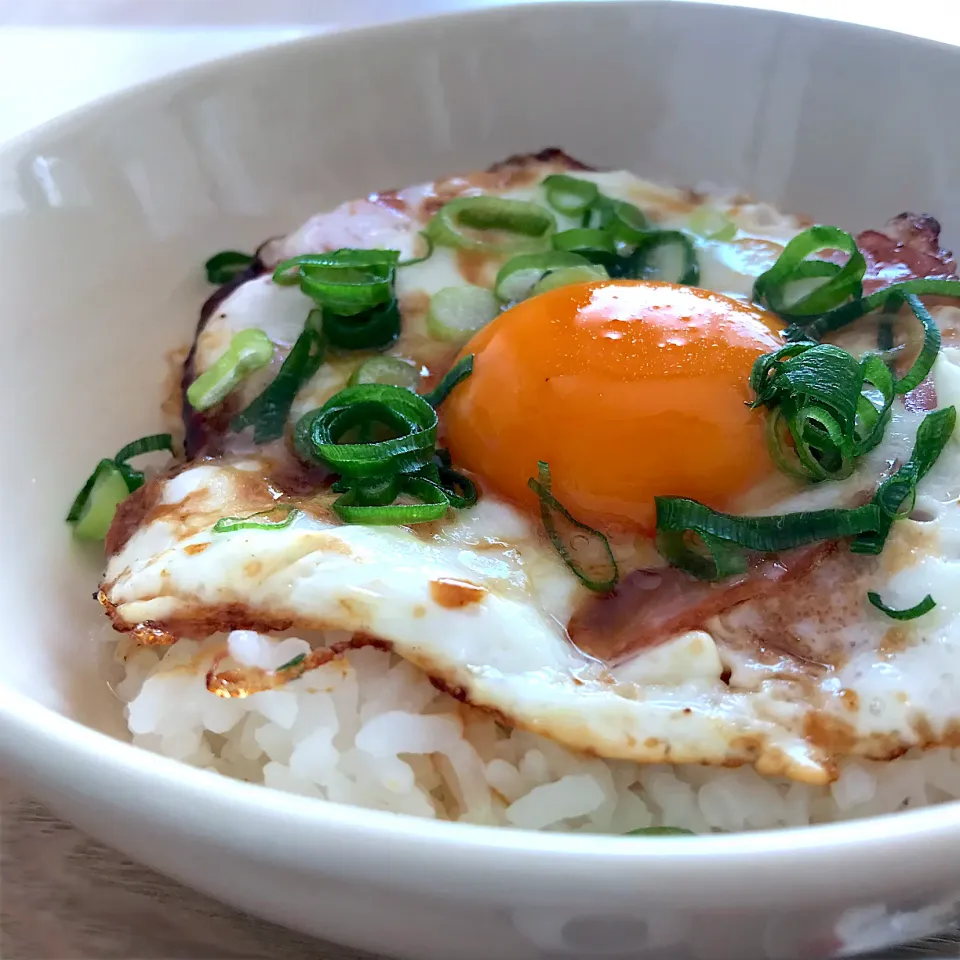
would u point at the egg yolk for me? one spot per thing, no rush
(628, 389)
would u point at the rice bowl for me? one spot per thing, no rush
(313, 736)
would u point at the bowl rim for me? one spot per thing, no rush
(28, 728)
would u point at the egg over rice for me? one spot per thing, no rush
(516, 498)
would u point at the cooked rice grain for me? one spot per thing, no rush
(370, 730)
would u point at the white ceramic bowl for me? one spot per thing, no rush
(107, 216)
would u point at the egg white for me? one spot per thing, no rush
(704, 696)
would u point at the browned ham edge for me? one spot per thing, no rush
(907, 248)
(650, 606)
(203, 430)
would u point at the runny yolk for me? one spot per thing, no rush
(628, 389)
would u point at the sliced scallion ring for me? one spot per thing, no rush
(460, 490)
(373, 330)
(492, 224)
(667, 255)
(928, 352)
(584, 550)
(432, 505)
(816, 329)
(569, 195)
(345, 282)
(456, 374)
(93, 511)
(268, 413)
(627, 223)
(248, 351)
(910, 613)
(258, 521)
(896, 495)
(711, 224)
(815, 391)
(710, 544)
(597, 246)
(456, 313)
(426, 256)
(150, 444)
(93, 507)
(392, 370)
(564, 277)
(520, 274)
(797, 287)
(290, 664)
(225, 266)
(320, 435)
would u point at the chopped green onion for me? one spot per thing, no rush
(871, 422)
(319, 434)
(249, 350)
(843, 315)
(268, 413)
(433, 505)
(660, 832)
(492, 224)
(520, 274)
(723, 537)
(225, 266)
(94, 509)
(290, 664)
(890, 299)
(429, 245)
(568, 195)
(457, 373)
(346, 281)
(885, 325)
(392, 370)
(720, 534)
(623, 221)
(460, 490)
(932, 436)
(711, 224)
(94, 506)
(627, 223)
(150, 444)
(355, 291)
(374, 330)
(785, 287)
(564, 277)
(617, 236)
(597, 246)
(456, 313)
(584, 550)
(666, 255)
(816, 392)
(232, 524)
(910, 613)
(928, 352)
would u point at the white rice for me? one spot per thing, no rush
(369, 729)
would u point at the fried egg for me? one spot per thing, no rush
(629, 390)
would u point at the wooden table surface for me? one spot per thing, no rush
(67, 897)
